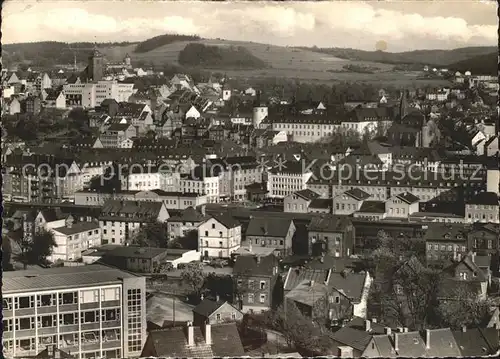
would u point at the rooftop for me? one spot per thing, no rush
(61, 278)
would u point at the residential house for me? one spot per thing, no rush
(219, 236)
(215, 312)
(445, 240)
(32, 105)
(464, 271)
(330, 235)
(484, 208)
(275, 233)
(402, 205)
(121, 219)
(13, 106)
(372, 210)
(299, 201)
(202, 180)
(256, 279)
(55, 99)
(484, 238)
(185, 223)
(207, 341)
(477, 342)
(73, 238)
(491, 146)
(349, 202)
(320, 205)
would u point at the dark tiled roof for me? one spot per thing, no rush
(372, 207)
(477, 342)
(277, 227)
(226, 219)
(485, 198)
(188, 215)
(328, 224)
(131, 210)
(351, 284)
(307, 194)
(356, 339)
(136, 252)
(308, 292)
(297, 275)
(208, 306)
(78, 227)
(445, 232)
(408, 197)
(442, 344)
(357, 194)
(323, 203)
(252, 265)
(411, 345)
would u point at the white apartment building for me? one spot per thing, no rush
(120, 220)
(219, 236)
(74, 238)
(291, 178)
(90, 95)
(91, 311)
(148, 179)
(206, 184)
(306, 128)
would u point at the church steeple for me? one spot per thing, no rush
(403, 104)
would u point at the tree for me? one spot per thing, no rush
(36, 248)
(194, 276)
(464, 309)
(151, 235)
(188, 241)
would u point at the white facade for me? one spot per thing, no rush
(216, 240)
(207, 185)
(259, 114)
(193, 112)
(89, 95)
(306, 132)
(284, 184)
(70, 246)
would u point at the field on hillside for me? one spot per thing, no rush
(287, 62)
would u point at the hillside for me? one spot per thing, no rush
(478, 65)
(219, 57)
(424, 57)
(158, 41)
(48, 53)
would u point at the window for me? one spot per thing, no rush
(89, 317)
(250, 283)
(262, 298)
(68, 298)
(220, 234)
(213, 225)
(46, 300)
(7, 303)
(250, 297)
(262, 284)
(217, 316)
(25, 302)
(206, 233)
(89, 296)
(68, 319)
(7, 325)
(47, 321)
(233, 316)
(109, 315)
(337, 299)
(25, 323)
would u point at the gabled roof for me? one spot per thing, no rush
(328, 223)
(297, 275)
(408, 197)
(442, 343)
(307, 194)
(308, 292)
(226, 219)
(188, 215)
(321, 203)
(477, 341)
(372, 207)
(276, 227)
(207, 307)
(255, 265)
(357, 194)
(350, 284)
(471, 265)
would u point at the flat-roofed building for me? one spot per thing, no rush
(89, 311)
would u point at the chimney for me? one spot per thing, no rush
(464, 328)
(473, 257)
(374, 320)
(203, 210)
(396, 342)
(202, 297)
(312, 283)
(217, 298)
(405, 330)
(368, 325)
(400, 329)
(387, 331)
(190, 334)
(208, 333)
(427, 339)
(322, 259)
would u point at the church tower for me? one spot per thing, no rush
(96, 66)
(127, 61)
(403, 105)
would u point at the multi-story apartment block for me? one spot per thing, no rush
(485, 207)
(202, 181)
(147, 178)
(445, 241)
(89, 311)
(120, 220)
(349, 202)
(304, 128)
(90, 95)
(484, 238)
(368, 120)
(330, 235)
(115, 135)
(184, 223)
(219, 236)
(300, 201)
(402, 205)
(74, 238)
(287, 178)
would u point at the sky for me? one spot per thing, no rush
(403, 25)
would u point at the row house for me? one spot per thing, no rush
(121, 219)
(299, 201)
(349, 202)
(274, 233)
(484, 208)
(445, 241)
(373, 121)
(172, 200)
(219, 236)
(137, 114)
(147, 178)
(55, 99)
